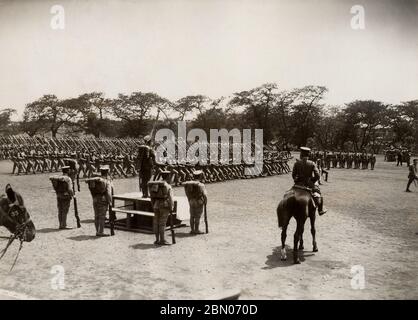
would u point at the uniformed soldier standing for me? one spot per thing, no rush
(102, 201)
(163, 203)
(413, 174)
(306, 173)
(197, 196)
(64, 189)
(146, 160)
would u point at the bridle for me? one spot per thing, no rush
(19, 233)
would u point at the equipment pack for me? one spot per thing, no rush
(193, 189)
(158, 189)
(97, 185)
(61, 184)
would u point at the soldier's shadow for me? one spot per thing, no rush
(144, 246)
(48, 230)
(184, 235)
(274, 259)
(87, 221)
(83, 238)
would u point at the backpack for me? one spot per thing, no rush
(97, 186)
(61, 184)
(193, 189)
(158, 189)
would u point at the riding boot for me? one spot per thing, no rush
(320, 204)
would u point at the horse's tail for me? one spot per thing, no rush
(281, 214)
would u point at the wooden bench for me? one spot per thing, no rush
(138, 213)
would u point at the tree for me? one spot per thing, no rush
(362, 119)
(50, 114)
(190, 104)
(258, 103)
(306, 112)
(136, 111)
(5, 119)
(95, 107)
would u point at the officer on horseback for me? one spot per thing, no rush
(305, 173)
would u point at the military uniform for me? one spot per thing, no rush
(197, 196)
(101, 202)
(413, 174)
(65, 194)
(162, 208)
(306, 173)
(146, 159)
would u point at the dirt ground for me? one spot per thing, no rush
(371, 222)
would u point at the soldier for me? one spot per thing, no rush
(372, 161)
(413, 174)
(101, 189)
(146, 160)
(197, 196)
(64, 189)
(305, 173)
(162, 203)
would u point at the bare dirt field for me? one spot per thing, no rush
(371, 222)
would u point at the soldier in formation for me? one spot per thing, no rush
(197, 197)
(162, 201)
(63, 187)
(101, 189)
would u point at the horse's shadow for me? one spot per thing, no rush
(274, 259)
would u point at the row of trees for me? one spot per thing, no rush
(294, 117)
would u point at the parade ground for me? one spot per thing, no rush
(371, 225)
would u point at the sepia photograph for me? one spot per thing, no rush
(209, 150)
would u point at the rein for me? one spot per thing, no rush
(18, 234)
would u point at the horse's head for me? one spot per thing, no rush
(16, 219)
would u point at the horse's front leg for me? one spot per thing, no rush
(283, 255)
(313, 231)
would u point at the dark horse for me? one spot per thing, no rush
(15, 218)
(297, 203)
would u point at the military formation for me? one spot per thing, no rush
(155, 180)
(341, 160)
(32, 156)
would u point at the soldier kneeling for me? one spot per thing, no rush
(162, 203)
(197, 196)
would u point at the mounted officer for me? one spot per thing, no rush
(305, 173)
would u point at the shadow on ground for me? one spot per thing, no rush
(83, 238)
(274, 261)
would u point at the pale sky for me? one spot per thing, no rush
(211, 47)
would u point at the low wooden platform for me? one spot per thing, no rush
(137, 212)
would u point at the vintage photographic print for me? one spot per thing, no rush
(208, 150)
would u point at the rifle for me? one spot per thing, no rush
(112, 217)
(206, 218)
(173, 235)
(76, 209)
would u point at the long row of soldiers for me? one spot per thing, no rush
(349, 160)
(32, 159)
